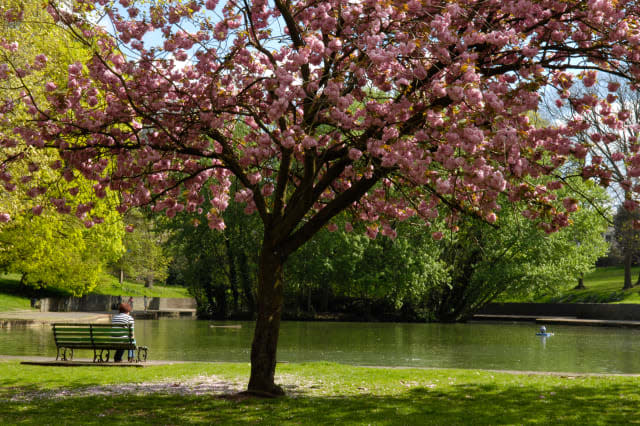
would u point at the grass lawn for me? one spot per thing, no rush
(318, 393)
(602, 286)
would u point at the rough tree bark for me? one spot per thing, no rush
(265, 339)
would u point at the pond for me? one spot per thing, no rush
(474, 345)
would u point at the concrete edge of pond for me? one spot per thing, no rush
(84, 362)
(555, 320)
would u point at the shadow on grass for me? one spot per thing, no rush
(10, 284)
(462, 404)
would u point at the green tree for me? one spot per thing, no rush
(68, 253)
(58, 251)
(144, 259)
(383, 272)
(218, 267)
(627, 239)
(516, 258)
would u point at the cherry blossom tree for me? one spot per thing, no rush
(391, 108)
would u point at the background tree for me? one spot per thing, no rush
(370, 277)
(627, 239)
(444, 89)
(218, 267)
(604, 105)
(516, 259)
(48, 250)
(144, 259)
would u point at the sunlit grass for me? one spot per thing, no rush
(110, 285)
(318, 393)
(602, 286)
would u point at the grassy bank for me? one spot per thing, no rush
(110, 285)
(604, 285)
(14, 296)
(318, 393)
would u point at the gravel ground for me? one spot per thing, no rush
(200, 385)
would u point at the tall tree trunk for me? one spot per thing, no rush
(627, 270)
(638, 281)
(265, 338)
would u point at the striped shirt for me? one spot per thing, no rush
(122, 319)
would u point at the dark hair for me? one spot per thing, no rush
(124, 308)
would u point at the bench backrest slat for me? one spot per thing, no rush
(100, 335)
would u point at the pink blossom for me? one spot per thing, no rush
(267, 189)
(437, 235)
(372, 232)
(354, 154)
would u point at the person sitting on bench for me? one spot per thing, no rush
(122, 318)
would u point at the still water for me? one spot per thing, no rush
(474, 345)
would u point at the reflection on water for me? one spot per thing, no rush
(490, 346)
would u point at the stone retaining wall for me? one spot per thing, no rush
(102, 303)
(605, 311)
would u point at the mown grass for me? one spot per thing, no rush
(604, 285)
(322, 393)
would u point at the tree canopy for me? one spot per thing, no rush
(47, 249)
(391, 108)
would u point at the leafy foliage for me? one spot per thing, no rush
(144, 259)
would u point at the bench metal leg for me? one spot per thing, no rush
(142, 353)
(101, 355)
(64, 354)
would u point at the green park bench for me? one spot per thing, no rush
(102, 338)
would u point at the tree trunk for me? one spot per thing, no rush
(580, 285)
(627, 270)
(148, 282)
(121, 276)
(265, 338)
(638, 281)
